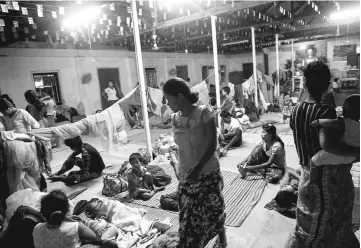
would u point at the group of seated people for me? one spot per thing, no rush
(102, 223)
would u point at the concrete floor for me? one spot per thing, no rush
(261, 229)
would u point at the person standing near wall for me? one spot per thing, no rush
(201, 203)
(189, 82)
(111, 94)
(35, 108)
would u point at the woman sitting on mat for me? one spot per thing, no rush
(231, 132)
(60, 231)
(91, 163)
(268, 157)
(140, 181)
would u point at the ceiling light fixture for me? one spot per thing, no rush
(345, 14)
(82, 18)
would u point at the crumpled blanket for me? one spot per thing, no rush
(163, 143)
(170, 239)
(23, 165)
(203, 93)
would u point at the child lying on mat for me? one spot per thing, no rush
(126, 218)
(105, 232)
(350, 125)
(140, 181)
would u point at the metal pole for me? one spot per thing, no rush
(278, 67)
(254, 66)
(292, 67)
(215, 61)
(138, 53)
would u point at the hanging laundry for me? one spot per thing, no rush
(231, 87)
(155, 97)
(106, 125)
(270, 86)
(261, 96)
(203, 93)
(130, 105)
(249, 86)
(238, 94)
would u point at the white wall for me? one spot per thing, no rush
(285, 52)
(235, 62)
(17, 66)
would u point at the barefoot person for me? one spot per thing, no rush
(324, 208)
(91, 163)
(201, 202)
(268, 157)
(231, 132)
(140, 181)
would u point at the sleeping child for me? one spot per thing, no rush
(105, 232)
(350, 125)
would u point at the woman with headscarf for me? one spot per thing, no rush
(201, 202)
(35, 107)
(324, 207)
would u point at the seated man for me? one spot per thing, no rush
(231, 132)
(91, 163)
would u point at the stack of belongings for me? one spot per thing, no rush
(164, 144)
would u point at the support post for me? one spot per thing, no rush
(277, 66)
(293, 67)
(138, 53)
(254, 66)
(215, 61)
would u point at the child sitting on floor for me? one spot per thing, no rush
(350, 124)
(140, 181)
(287, 107)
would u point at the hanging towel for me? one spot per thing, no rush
(104, 125)
(155, 97)
(203, 93)
(231, 87)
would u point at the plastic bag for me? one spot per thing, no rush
(122, 137)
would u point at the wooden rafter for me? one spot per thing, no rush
(205, 14)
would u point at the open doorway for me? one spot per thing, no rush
(247, 70)
(105, 76)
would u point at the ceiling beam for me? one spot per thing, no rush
(206, 13)
(252, 25)
(298, 30)
(300, 9)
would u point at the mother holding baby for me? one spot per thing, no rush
(324, 205)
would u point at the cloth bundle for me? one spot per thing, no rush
(203, 93)
(164, 143)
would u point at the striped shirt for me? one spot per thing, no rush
(305, 135)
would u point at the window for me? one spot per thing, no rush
(247, 70)
(48, 83)
(182, 71)
(151, 77)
